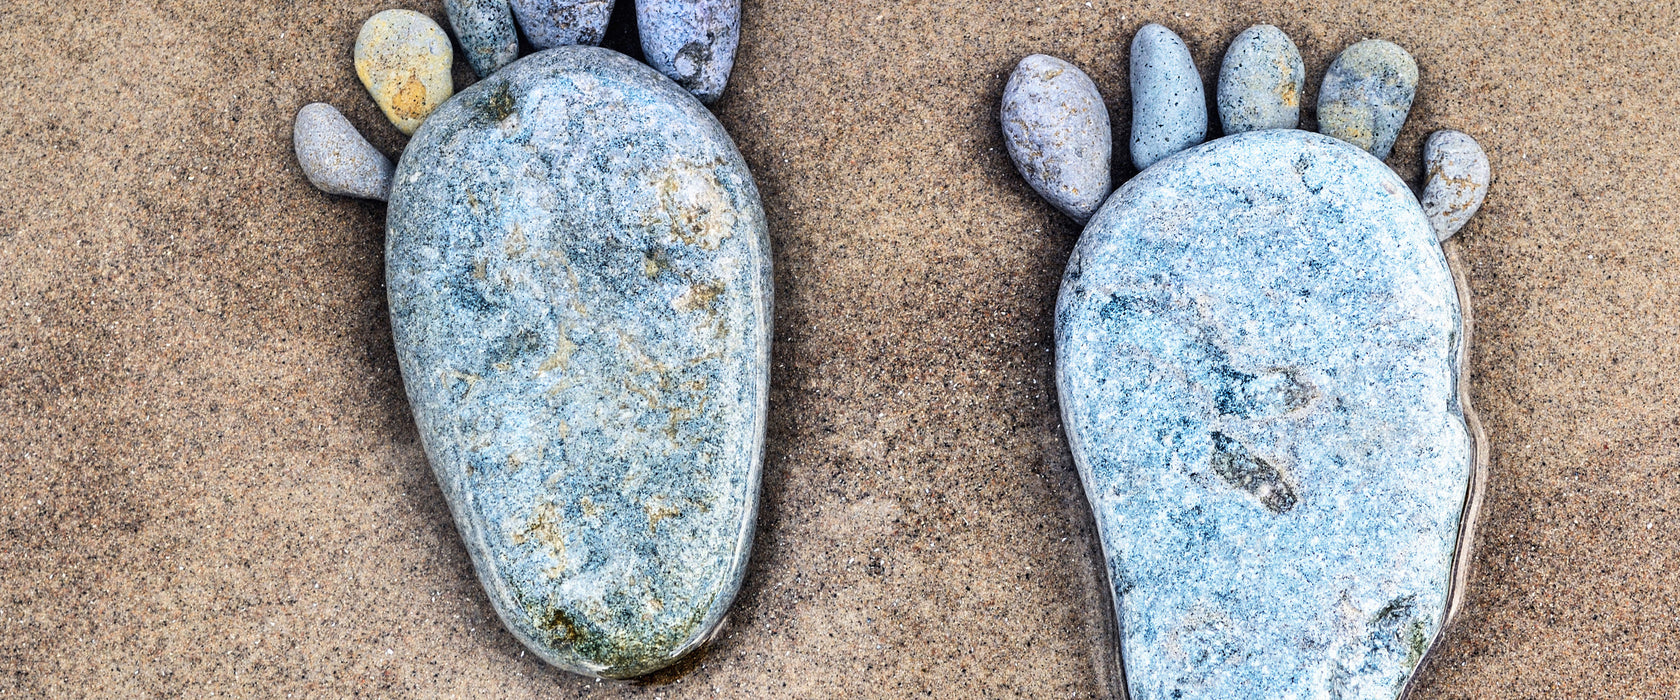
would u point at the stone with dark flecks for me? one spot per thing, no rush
(1366, 95)
(691, 41)
(486, 31)
(1056, 129)
(1457, 177)
(403, 59)
(336, 158)
(1260, 82)
(551, 23)
(1258, 348)
(1169, 107)
(579, 279)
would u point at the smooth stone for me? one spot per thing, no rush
(1169, 107)
(1258, 355)
(579, 278)
(1056, 128)
(336, 158)
(1366, 95)
(403, 59)
(486, 31)
(1457, 182)
(691, 41)
(551, 23)
(1260, 82)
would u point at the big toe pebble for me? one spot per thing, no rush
(1457, 182)
(1260, 82)
(1366, 95)
(1056, 129)
(336, 158)
(485, 28)
(551, 23)
(403, 59)
(1169, 107)
(691, 42)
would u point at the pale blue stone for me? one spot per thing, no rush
(485, 28)
(1260, 82)
(551, 23)
(579, 280)
(691, 41)
(1366, 95)
(1169, 106)
(1258, 355)
(336, 158)
(1056, 129)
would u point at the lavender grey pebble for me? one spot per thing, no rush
(1169, 107)
(1458, 176)
(1366, 94)
(691, 41)
(485, 28)
(1260, 82)
(1056, 129)
(336, 158)
(551, 23)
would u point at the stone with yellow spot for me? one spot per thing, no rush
(403, 59)
(1260, 82)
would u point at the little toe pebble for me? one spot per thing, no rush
(1056, 129)
(1260, 82)
(336, 158)
(1458, 176)
(1366, 94)
(1169, 107)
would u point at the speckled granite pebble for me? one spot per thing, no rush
(403, 59)
(691, 41)
(551, 23)
(336, 158)
(486, 31)
(579, 279)
(1056, 128)
(1258, 351)
(1457, 180)
(1366, 94)
(1260, 82)
(1169, 107)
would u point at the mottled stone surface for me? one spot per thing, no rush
(486, 31)
(1258, 353)
(1366, 94)
(551, 23)
(1260, 82)
(691, 41)
(579, 280)
(336, 158)
(1169, 107)
(1056, 129)
(403, 59)
(1457, 177)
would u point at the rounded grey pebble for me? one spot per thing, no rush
(1169, 107)
(1366, 94)
(1458, 177)
(485, 28)
(691, 41)
(551, 23)
(1056, 128)
(1260, 82)
(336, 158)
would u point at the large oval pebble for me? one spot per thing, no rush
(1260, 82)
(551, 23)
(336, 158)
(1366, 95)
(1457, 180)
(1169, 107)
(691, 41)
(485, 28)
(1258, 355)
(1056, 129)
(579, 280)
(403, 59)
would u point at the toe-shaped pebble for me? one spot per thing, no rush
(1457, 182)
(485, 28)
(1056, 129)
(551, 23)
(403, 59)
(336, 158)
(1260, 82)
(1169, 107)
(1366, 95)
(691, 41)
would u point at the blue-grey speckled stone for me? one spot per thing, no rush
(485, 28)
(551, 23)
(1260, 82)
(691, 41)
(1366, 94)
(1457, 180)
(1169, 107)
(1258, 349)
(336, 158)
(579, 280)
(1056, 129)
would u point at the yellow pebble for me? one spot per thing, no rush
(403, 59)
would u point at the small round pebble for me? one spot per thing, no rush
(1057, 132)
(551, 23)
(1169, 107)
(336, 158)
(691, 41)
(1260, 82)
(1458, 177)
(485, 28)
(1366, 94)
(403, 59)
